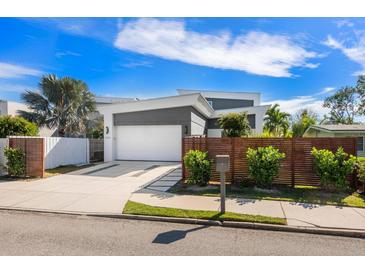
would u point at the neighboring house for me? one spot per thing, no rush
(11, 108)
(357, 131)
(152, 129)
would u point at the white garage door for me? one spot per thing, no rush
(161, 143)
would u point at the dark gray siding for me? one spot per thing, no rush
(167, 116)
(220, 103)
(213, 123)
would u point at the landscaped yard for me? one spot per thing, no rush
(135, 208)
(303, 194)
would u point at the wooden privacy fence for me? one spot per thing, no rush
(296, 168)
(33, 148)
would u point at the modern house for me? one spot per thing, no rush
(152, 129)
(357, 131)
(11, 107)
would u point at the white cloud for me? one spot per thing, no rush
(355, 52)
(344, 23)
(14, 71)
(255, 52)
(60, 54)
(327, 91)
(134, 64)
(300, 102)
(17, 88)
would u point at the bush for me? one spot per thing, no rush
(198, 166)
(360, 168)
(14, 161)
(333, 168)
(264, 164)
(16, 126)
(235, 125)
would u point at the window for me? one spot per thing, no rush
(360, 143)
(210, 103)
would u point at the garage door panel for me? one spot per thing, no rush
(162, 143)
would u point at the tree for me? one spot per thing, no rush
(276, 122)
(16, 126)
(62, 103)
(344, 106)
(235, 124)
(302, 121)
(95, 128)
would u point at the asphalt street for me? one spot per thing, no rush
(23, 233)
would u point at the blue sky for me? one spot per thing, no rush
(293, 61)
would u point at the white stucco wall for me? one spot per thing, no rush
(197, 125)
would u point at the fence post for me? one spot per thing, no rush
(232, 159)
(182, 158)
(293, 161)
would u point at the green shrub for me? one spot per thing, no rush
(264, 164)
(14, 161)
(333, 168)
(198, 166)
(235, 124)
(16, 126)
(360, 168)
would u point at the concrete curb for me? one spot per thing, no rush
(230, 224)
(248, 225)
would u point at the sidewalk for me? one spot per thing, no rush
(297, 214)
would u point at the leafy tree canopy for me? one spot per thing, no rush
(302, 120)
(276, 122)
(62, 103)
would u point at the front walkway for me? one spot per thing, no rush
(104, 188)
(297, 214)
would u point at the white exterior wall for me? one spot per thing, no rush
(11, 108)
(197, 125)
(109, 137)
(65, 151)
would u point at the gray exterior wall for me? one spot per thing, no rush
(213, 123)
(221, 103)
(167, 116)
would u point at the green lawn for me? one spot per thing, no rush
(64, 169)
(303, 194)
(142, 209)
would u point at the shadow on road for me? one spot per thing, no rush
(174, 235)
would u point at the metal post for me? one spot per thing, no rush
(223, 192)
(222, 166)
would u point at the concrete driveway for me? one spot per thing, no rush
(104, 188)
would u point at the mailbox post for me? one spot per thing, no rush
(222, 166)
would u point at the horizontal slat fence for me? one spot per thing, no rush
(296, 168)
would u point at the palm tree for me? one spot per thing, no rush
(276, 122)
(62, 103)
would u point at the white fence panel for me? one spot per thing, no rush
(65, 151)
(3, 143)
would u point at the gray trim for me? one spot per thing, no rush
(213, 123)
(222, 103)
(167, 116)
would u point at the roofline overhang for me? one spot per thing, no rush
(249, 110)
(196, 100)
(335, 130)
